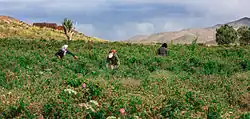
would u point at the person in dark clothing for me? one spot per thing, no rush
(112, 60)
(163, 51)
(62, 52)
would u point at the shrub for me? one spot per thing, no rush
(226, 35)
(94, 91)
(213, 113)
(74, 82)
(18, 110)
(245, 116)
(194, 101)
(173, 109)
(245, 38)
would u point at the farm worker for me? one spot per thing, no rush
(112, 60)
(63, 51)
(163, 51)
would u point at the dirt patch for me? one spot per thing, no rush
(245, 102)
(35, 107)
(8, 19)
(131, 82)
(161, 74)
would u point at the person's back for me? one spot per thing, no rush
(163, 51)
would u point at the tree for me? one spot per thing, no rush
(244, 35)
(69, 28)
(242, 30)
(226, 35)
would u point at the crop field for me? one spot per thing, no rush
(192, 82)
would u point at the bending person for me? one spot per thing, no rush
(63, 51)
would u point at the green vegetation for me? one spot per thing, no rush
(226, 35)
(244, 35)
(192, 82)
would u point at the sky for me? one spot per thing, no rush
(122, 19)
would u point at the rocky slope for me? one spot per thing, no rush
(186, 36)
(11, 27)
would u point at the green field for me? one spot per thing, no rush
(192, 82)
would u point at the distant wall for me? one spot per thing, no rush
(60, 28)
(48, 25)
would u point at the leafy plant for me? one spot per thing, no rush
(74, 82)
(68, 28)
(213, 113)
(245, 37)
(94, 91)
(194, 100)
(173, 109)
(226, 35)
(18, 110)
(245, 116)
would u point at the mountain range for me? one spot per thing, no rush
(186, 36)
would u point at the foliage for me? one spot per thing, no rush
(226, 35)
(173, 109)
(244, 35)
(213, 113)
(245, 116)
(242, 30)
(74, 82)
(18, 110)
(68, 28)
(192, 82)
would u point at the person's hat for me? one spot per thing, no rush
(114, 51)
(64, 47)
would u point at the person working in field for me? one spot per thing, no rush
(62, 52)
(163, 51)
(112, 60)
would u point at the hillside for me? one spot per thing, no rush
(192, 82)
(11, 27)
(186, 36)
(238, 23)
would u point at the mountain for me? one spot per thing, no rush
(11, 27)
(186, 36)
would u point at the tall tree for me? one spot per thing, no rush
(226, 35)
(69, 28)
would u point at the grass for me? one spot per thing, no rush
(192, 82)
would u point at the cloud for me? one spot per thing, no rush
(87, 29)
(123, 31)
(145, 28)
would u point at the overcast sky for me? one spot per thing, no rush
(122, 19)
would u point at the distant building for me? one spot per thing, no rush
(44, 24)
(60, 28)
(50, 25)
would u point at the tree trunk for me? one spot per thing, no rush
(69, 36)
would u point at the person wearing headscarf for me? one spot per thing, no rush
(112, 60)
(163, 51)
(63, 51)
